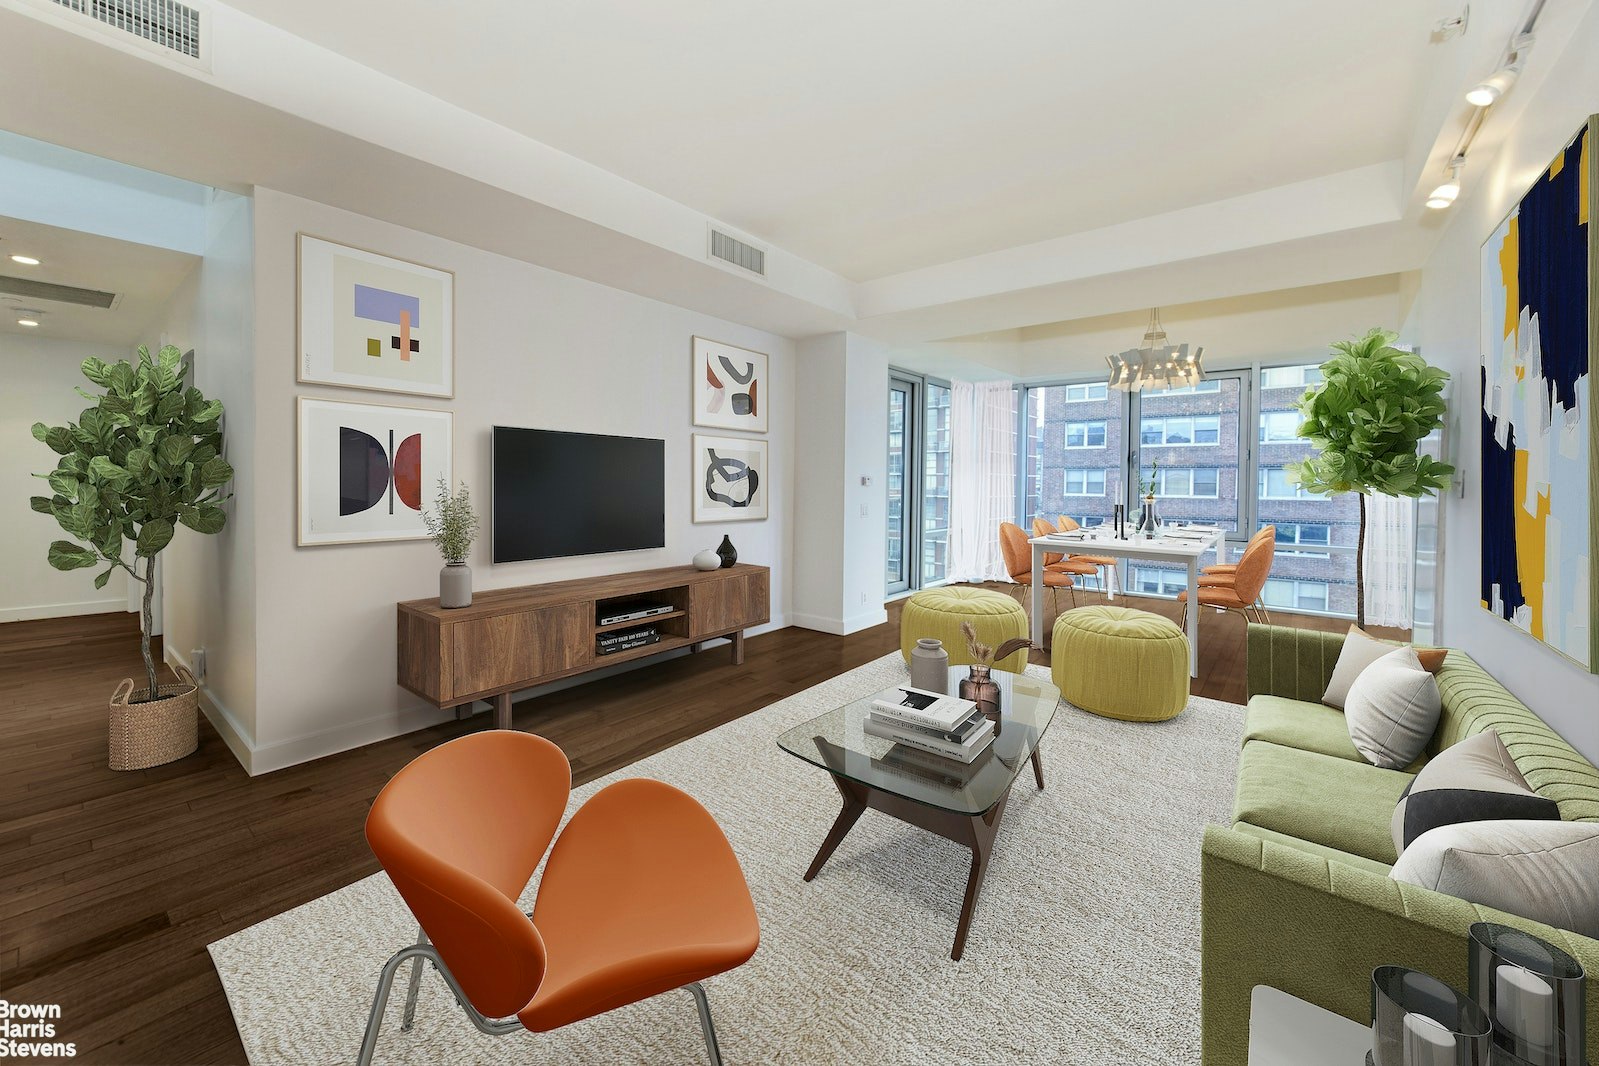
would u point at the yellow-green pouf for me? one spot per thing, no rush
(940, 612)
(1121, 663)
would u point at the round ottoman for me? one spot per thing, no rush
(1121, 663)
(940, 612)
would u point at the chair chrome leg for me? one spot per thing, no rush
(706, 1025)
(409, 1018)
(374, 1021)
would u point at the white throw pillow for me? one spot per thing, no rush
(1541, 870)
(1359, 651)
(1392, 710)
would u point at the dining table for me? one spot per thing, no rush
(1184, 545)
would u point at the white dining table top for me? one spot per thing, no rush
(1196, 543)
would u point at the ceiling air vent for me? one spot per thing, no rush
(737, 253)
(161, 22)
(61, 294)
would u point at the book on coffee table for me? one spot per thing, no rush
(964, 752)
(920, 707)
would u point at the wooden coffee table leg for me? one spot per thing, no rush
(1038, 769)
(854, 807)
(982, 832)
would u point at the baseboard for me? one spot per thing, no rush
(840, 627)
(62, 610)
(228, 727)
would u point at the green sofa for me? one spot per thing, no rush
(1296, 894)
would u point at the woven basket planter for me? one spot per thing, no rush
(156, 731)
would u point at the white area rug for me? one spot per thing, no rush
(1084, 949)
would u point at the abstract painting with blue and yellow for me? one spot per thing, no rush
(1538, 395)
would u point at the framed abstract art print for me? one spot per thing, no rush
(730, 479)
(1540, 439)
(367, 321)
(366, 470)
(730, 387)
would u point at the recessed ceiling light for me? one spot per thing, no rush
(25, 260)
(29, 322)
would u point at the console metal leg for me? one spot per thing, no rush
(409, 1018)
(706, 1025)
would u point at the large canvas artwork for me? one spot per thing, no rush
(730, 387)
(366, 470)
(371, 322)
(730, 479)
(1540, 452)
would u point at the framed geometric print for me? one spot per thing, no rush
(730, 479)
(730, 389)
(366, 470)
(1540, 435)
(368, 321)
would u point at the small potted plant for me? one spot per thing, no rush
(145, 459)
(453, 526)
(979, 685)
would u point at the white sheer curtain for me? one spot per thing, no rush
(982, 482)
(1390, 560)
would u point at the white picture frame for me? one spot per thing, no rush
(730, 386)
(722, 470)
(345, 450)
(357, 309)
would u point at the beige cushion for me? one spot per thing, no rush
(1359, 651)
(1392, 709)
(1537, 869)
(1474, 781)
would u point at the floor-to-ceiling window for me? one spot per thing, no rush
(918, 482)
(1217, 452)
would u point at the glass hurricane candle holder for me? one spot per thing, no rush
(1417, 1020)
(1533, 991)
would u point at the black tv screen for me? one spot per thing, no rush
(559, 494)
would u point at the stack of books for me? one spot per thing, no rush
(940, 725)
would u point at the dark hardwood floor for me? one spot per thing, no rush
(112, 884)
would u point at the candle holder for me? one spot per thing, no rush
(1534, 993)
(1417, 1020)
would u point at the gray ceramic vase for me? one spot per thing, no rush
(930, 665)
(455, 585)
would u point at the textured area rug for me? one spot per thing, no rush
(1084, 949)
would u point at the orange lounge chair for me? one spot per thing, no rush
(641, 895)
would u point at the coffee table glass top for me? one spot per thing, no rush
(837, 742)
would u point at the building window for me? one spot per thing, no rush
(1085, 482)
(1196, 482)
(1157, 582)
(1295, 595)
(1290, 377)
(1302, 538)
(1186, 390)
(1084, 393)
(1087, 521)
(1279, 426)
(1085, 434)
(1201, 429)
(1274, 485)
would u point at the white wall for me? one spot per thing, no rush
(40, 374)
(1446, 323)
(533, 348)
(842, 397)
(208, 582)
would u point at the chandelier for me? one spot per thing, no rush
(1155, 364)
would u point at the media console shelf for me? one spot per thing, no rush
(517, 638)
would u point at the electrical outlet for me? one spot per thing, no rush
(865, 511)
(197, 663)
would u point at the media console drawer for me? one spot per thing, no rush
(486, 653)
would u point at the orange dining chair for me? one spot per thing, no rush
(641, 894)
(1104, 565)
(1018, 556)
(1058, 562)
(1222, 574)
(1243, 592)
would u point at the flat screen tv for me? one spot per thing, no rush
(558, 494)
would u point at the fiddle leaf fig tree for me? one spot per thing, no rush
(144, 459)
(1367, 418)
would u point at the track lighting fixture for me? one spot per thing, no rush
(1445, 194)
(1490, 89)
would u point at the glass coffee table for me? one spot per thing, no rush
(958, 802)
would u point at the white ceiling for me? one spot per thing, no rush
(874, 138)
(144, 279)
